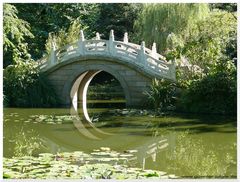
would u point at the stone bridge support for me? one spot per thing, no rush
(71, 78)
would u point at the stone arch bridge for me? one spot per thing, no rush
(71, 68)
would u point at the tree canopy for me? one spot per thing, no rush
(157, 21)
(16, 33)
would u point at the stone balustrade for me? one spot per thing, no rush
(138, 55)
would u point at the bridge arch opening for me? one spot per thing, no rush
(93, 80)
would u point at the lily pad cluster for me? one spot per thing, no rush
(15, 116)
(100, 164)
(132, 112)
(52, 119)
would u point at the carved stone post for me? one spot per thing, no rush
(154, 50)
(125, 38)
(97, 36)
(111, 47)
(173, 70)
(53, 58)
(141, 54)
(81, 43)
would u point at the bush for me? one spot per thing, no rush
(25, 86)
(215, 93)
(161, 94)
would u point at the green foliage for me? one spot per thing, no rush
(193, 158)
(45, 18)
(215, 93)
(230, 7)
(209, 79)
(64, 37)
(25, 86)
(16, 32)
(161, 94)
(207, 44)
(157, 21)
(102, 20)
(117, 16)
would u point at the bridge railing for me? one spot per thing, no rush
(138, 55)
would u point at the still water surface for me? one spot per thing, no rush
(126, 133)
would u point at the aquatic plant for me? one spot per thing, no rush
(161, 94)
(103, 163)
(52, 119)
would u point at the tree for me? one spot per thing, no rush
(16, 32)
(214, 93)
(64, 37)
(230, 7)
(45, 18)
(210, 41)
(25, 86)
(157, 21)
(117, 16)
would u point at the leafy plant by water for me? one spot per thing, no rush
(215, 93)
(25, 86)
(161, 94)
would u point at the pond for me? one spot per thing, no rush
(184, 145)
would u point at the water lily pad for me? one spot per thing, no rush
(49, 120)
(12, 175)
(46, 155)
(126, 155)
(77, 165)
(161, 173)
(24, 163)
(172, 176)
(105, 159)
(34, 171)
(119, 176)
(101, 153)
(131, 151)
(38, 120)
(165, 177)
(96, 150)
(105, 148)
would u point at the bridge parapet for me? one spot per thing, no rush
(137, 55)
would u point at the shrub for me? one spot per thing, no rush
(215, 93)
(161, 94)
(25, 86)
